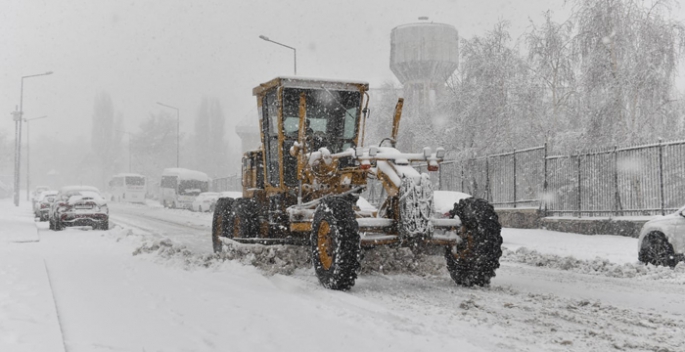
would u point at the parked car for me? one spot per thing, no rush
(36, 192)
(79, 206)
(662, 240)
(204, 202)
(41, 207)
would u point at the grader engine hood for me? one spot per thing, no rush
(395, 164)
(389, 161)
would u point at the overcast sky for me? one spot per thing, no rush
(177, 52)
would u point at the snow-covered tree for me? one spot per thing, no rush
(629, 52)
(489, 95)
(552, 63)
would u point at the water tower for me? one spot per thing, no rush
(422, 56)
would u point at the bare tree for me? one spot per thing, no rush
(154, 147)
(105, 141)
(209, 146)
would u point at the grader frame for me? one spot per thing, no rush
(301, 186)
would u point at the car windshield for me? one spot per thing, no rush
(192, 187)
(135, 181)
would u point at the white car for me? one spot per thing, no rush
(662, 240)
(204, 202)
(36, 192)
(42, 204)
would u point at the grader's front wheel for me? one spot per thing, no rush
(335, 244)
(475, 259)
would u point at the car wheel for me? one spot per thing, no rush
(58, 225)
(656, 250)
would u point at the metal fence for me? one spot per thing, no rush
(638, 180)
(228, 183)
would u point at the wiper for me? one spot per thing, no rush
(347, 112)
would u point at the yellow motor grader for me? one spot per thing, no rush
(302, 185)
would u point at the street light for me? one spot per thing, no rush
(178, 124)
(17, 136)
(289, 47)
(28, 164)
(129, 148)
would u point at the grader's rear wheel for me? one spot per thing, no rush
(222, 222)
(335, 244)
(475, 259)
(246, 223)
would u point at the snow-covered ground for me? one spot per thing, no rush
(134, 288)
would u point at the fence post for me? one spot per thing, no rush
(462, 177)
(617, 194)
(544, 184)
(579, 188)
(661, 175)
(514, 178)
(487, 179)
(440, 177)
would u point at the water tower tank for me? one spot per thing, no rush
(424, 52)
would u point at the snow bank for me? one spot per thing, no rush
(598, 266)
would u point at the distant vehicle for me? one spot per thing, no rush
(36, 192)
(662, 240)
(128, 188)
(42, 205)
(231, 194)
(205, 201)
(179, 187)
(79, 206)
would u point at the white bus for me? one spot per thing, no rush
(128, 188)
(179, 187)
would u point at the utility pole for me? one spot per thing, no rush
(17, 135)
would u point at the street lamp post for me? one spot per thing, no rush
(289, 47)
(28, 163)
(178, 127)
(17, 136)
(129, 147)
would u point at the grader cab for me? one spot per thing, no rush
(302, 185)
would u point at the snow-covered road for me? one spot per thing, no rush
(190, 229)
(85, 288)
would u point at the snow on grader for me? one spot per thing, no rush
(301, 187)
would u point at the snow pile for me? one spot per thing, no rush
(275, 259)
(394, 260)
(597, 266)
